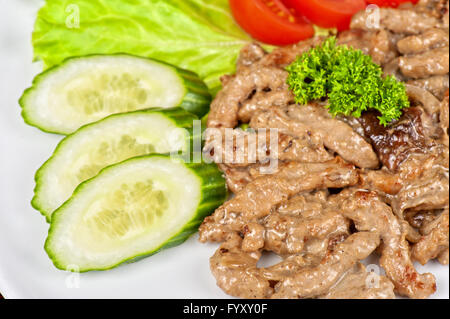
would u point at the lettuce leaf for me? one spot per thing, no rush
(198, 35)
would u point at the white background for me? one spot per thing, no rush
(25, 270)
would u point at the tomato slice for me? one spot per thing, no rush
(328, 13)
(390, 3)
(269, 21)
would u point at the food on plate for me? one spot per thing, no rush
(131, 210)
(347, 186)
(83, 90)
(82, 154)
(360, 121)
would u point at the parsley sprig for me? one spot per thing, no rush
(350, 79)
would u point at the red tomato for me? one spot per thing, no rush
(389, 3)
(270, 21)
(328, 13)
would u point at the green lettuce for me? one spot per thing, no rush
(198, 35)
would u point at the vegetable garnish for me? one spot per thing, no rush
(270, 21)
(196, 35)
(328, 13)
(350, 80)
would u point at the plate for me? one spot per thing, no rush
(25, 269)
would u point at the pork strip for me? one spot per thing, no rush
(370, 214)
(259, 196)
(252, 79)
(423, 65)
(357, 284)
(437, 85)
(394, 143)
(290, 234)
(434, 242)
(407, 21)
(316, 281)
(430, 39)
(315, 120)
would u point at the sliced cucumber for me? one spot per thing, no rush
(83, 154)
(83, 90)
(132, 210)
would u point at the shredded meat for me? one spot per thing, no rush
(407, 21)
(437, 85)
(315, 120)
(370, 214)
(259, 196)
(358, 283)
(343, 187)
(422, 65)
(430, 39)
(393, 145)
(435, 240)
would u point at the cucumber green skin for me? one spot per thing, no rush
(196, 100)
(213, 194)
(178, 116)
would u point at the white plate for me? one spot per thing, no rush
(25, 270)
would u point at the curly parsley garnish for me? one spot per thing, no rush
(350, 79)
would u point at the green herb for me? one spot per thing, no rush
(350, 79)
(198, 35)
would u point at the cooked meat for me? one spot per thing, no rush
(225, 106)
(421, 182)
(343, 187)
(357, 39)
(393, 68)
(263, 101)
(395, 143)
(238, 148)
(378, 44)
(443, 119)
(418, 218)
(411, 234)
(315, 120)
(445, 18)
(266, 74)
(427, 190)
(249, 55)
(316, 281)
(357, 284)
(419, 66)
(421, 96)
(290, 234)
(370, 214)
(382, 49)
(407, 21)
(236, 271)
(430, 39)
(336, 135)
(436, 8)
(437, 85)
(443, 257)
(236, 177)
(259, 196)
(435, 240)
(283, 56)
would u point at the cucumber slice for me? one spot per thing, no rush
(83, 154)
(132, 210)
(83, 90)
